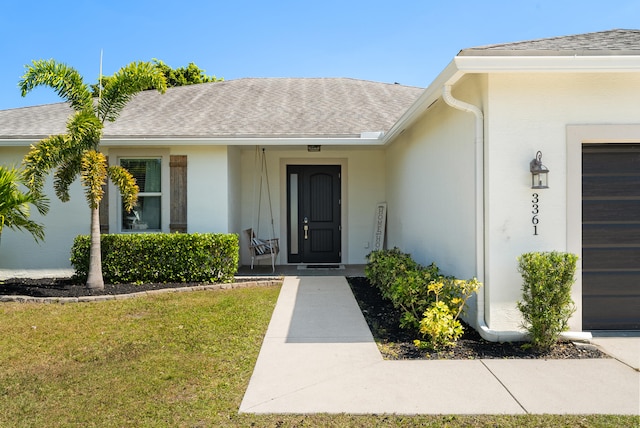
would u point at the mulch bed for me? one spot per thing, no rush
(397, 344)
(66, 287)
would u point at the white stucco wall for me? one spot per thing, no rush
(207, 183)
(63, 223)
(527, 113)
(431, 190)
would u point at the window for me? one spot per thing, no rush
(146, 215)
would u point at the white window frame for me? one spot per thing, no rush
(115, 199)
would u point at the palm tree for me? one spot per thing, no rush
(77, 152)
(15, 204)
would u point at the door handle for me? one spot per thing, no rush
(306, 228)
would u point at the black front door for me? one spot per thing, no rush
(313, 213)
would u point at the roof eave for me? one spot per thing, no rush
(462, 65)
(260, 141)
(429, 96)
(551, 63)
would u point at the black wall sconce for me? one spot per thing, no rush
(539, 177)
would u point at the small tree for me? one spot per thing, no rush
(546, 304)
(14, 204)
(77, 153)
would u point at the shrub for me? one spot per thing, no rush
(546, 304)
(403, 282)
(160, 257)
(440, 325)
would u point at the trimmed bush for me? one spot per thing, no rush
(431, 302)
(546, 304)
(403, 282)
(160, 257)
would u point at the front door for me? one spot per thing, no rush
(313, 213)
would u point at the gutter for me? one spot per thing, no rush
(483, 328)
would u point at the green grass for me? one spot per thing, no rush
(177, 359)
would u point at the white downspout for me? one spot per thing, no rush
(484, 330)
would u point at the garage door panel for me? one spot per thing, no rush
(611, 211)
(610, 186)
(611, 313)
(611, 258)
(616, 159)
(606, 234)
(623, 284)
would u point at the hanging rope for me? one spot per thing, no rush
(260, 181)
(266, 175)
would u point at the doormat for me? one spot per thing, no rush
(321, 267)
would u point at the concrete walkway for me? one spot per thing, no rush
(318, 355)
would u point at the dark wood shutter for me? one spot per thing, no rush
(103, 207)
(178, 193)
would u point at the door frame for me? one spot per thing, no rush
(344, 206)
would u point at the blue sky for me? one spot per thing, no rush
(409, 42)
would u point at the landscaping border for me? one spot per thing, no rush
(100, 298)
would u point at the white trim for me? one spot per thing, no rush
(564, 64)
(241, 141)
(577, 135)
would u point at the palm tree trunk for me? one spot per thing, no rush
(94, 278)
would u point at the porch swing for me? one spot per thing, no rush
(261, 249)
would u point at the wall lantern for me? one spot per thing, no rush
(539, 178)
(311, 148)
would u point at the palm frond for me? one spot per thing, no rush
(41, 159)
(65, 175)
(85, 129)
(125, 84)
(126, 183)
(14, 204)
(65, 80)
(93, 176)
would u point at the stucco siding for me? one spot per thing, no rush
(207, 184)
(527, 113)
(431, 190)
(63, 223)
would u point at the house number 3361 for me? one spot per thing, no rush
(535, 210)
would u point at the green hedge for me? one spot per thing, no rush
(160, 257)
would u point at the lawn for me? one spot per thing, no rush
(175, 359)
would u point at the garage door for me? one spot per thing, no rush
(611, 236)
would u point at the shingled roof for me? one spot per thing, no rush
(243, 108)
(612, 42)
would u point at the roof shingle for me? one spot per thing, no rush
(243, 108)
(612, 42)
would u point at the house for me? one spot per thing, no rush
(452, 163)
